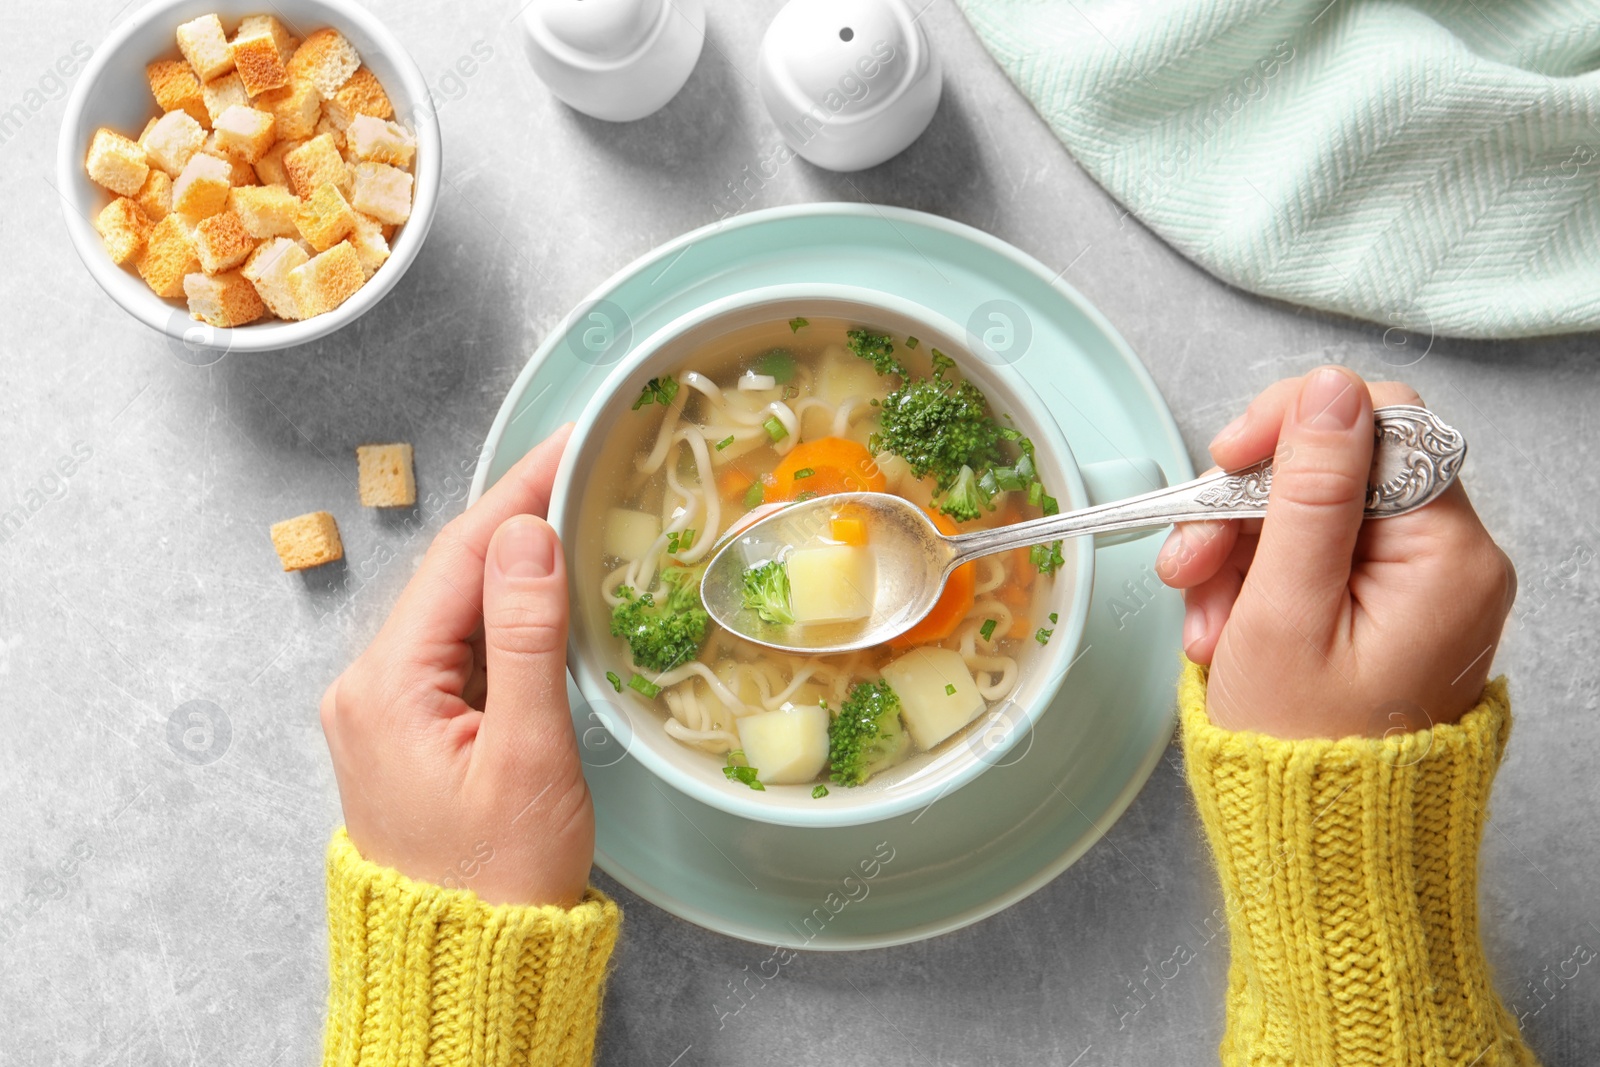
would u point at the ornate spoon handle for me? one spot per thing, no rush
(1415, 458)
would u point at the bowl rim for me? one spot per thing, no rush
(160, 314)
(564, 509)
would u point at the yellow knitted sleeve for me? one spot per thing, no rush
(423, 975)
(1349, 876)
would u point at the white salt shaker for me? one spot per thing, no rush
(850, 83)
(617, 60)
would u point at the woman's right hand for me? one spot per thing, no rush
(1315, 623)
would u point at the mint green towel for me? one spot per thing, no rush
(1431, 166)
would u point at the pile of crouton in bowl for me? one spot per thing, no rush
(264, 173)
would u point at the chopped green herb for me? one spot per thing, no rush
(1048, 505)
(1026, 470)
(1006, 477)
(807, 495)
(986, 631)
(747, 775)
(657, 391)
(1036, 494)
(797, 324)
(804, 472)
(875, 348)
(989, 483)
(792, 391)
(950, 689)
(640, 684)
(615, 680)
(941, 363)
(1054, 617)
(725, 442)
(677, 541)
(1047, 559)
(1042, 635)
(777, 364)
(819, 791)
(912, 342)
(775, 428)
(737, 758)
(754, 495)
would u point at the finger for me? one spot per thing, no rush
(1209, 605)
(443, 602)
(1314, 508)
(525, 641)
(1253, 435)
(1195, 551)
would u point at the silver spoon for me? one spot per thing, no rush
(1415, 458)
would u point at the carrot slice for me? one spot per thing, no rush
(953, 604)
(827, 465)
(848, 531)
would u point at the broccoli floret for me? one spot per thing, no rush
(939, 426)
(875, 348)
(866, 736)
(967, 497)
(666, 635)
(766, 592)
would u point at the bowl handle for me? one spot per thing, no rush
(1116, 479)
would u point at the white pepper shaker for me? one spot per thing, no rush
(617, 60)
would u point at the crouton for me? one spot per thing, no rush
(223, 93)
(296, 109)
(155, 195)
(327, 280)
(361, 95)
(325, 218)
(205, 46)
(123, 227)
(374, 140)
(384, 476)
(335, 134)
(258, 62)
(371, 246)
(266, 210)
(222, 242)
(269, 168)
(240, 173)
(223, 300)
(173, 84)
(307, 541)
(171, 140)
(201, 189)
(168, 257)
(268, 270)
(325, 59)
(256, 25)
(244, 132)
(382, 191)
(313, 163)
(119, 164)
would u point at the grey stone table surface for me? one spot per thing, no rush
(157, 911)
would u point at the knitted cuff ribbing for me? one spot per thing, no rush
(1349, 877)
(420, 974)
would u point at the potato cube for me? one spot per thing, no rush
(205, 46)
(258, 63)
(629, 534)
(314, 163)
(266, 210)
(117, 163)
(245, 132)
(168, 257)
(202, 188)
(371, 246)
(296, 109)
(936, 691)
(382, 191)
(222, 242)
(268, 270)
(307, 541)
(385, 477)
(173, 84)
(223, 93)
(374, 140)
(326, 218)
(171, 140)
(361, 95)
(325, 281)
(155, 195)
(270, 169)
(832, 583)
(223, 300)
(123, 227)
(786, 747)
(325, 59)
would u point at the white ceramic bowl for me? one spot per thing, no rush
(608, 433)
(113, 92)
